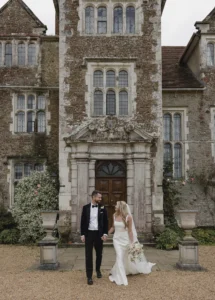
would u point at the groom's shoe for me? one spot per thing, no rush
(99, 274)
(89, 281)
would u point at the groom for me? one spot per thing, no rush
(94, 230)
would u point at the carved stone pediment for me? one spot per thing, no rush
(111, 129)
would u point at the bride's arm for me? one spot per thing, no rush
(111, 230)
(130, 232)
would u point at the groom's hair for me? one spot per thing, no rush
(94, 193)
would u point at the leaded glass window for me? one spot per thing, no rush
(130, 19)
(167, 127)
(123, 103)
(41, 102)
(98, 79)
(210, 54)
(110, 79)
(167, 153)
(89, 20)
(110, 169)
(118, 20)
(0, 54)
(31, 102)
(8, 55)
(20, 121)
(102, 20)
(111, 103)
(178, 160)
(31, 54)
(39, 168)
(30, 121)
(123, 79)
(177, 127)
(21, 102)
(18, 171)
(98, 103)
(41, 122)
(21, 54)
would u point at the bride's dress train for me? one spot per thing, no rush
(123, 266)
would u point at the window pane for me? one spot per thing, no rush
(18, 171)
(167, 153)
(98, 79)
(32, 54)
(177, 127)
(39, 168)
(123, 103)
(102, 20)
(28, 168)
(123, 79)
(31, 121)
(31, 102)
(167, 127)
(118, 20)
(130, 19)
(41, 102)
(41, 121)
(8, 55)
(21, 54)
(210, 55)
(89, 19)
(111, 103)
(21, 102)
(178, 160)
(21, 122)
(110, 79)
(98, 103)
(0, 54)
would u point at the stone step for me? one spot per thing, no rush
(106, 244)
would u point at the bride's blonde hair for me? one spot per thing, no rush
(122, 210)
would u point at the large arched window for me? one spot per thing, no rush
(210, 54)
(21, 54)
(20, 121)
(118, 20)
(98, 79)
(177, 127)
(32, 54)
(111, 103)
(123, 79)
(110, 79)
(89, 19)
(167, 127)
(123, 103)
(41, 122)
(130, 19)
(178, 160)
(98, 103)
(8, 55)
(102, 20)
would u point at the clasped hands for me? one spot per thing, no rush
(104, 238)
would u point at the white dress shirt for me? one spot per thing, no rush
(93, 225)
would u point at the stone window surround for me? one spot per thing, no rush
(184, 134)
(105, 66)
(139, 18)
(15, 43)
(212, 127)
(11, 176)
(13, 125)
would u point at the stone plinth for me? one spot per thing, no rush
(188, 256)
(48, 254)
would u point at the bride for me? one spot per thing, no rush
(125, 234)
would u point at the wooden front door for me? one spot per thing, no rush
(111, 182)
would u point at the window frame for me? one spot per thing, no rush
(182, 141)
(213, 60)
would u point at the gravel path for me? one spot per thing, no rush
(19, 284)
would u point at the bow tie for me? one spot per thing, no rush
(94, 206)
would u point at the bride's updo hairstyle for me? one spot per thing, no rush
(122, 210)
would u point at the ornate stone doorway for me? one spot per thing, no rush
(111, 182)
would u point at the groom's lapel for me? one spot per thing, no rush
(88, 212)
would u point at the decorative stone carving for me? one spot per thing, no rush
(110, 129)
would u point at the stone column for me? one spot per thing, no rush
(92, 176)
(130, 183)
(74, 192)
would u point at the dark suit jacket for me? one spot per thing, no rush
(102, 220)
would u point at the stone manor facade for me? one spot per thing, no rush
(102, 104)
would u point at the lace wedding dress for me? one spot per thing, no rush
(123, 266)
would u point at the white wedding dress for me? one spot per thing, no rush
(123, 266)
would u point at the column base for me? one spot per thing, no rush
(48, 254)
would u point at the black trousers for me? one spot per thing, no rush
(93, 239)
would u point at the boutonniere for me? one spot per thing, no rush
(102, 207)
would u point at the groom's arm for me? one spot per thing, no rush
(83, 220)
